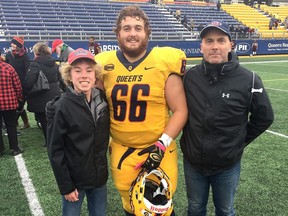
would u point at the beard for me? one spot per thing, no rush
(134, 51)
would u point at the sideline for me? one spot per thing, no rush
(33, 201)
(278, 134)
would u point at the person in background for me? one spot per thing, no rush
(19, 60)
(93, 46)
(78, 137)
(142, 128)
(10, 95)
(62, 50)
(254, 48)
(184, 21)
(218, 5)
(228, 108)
(36, 102)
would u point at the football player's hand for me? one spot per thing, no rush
(50, 109)
(156, 154)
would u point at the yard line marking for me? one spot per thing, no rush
(275, 80)
(263, 62)
(277, 89)
(278, 134)
(257, 62)
(33, 201)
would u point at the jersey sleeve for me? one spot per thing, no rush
(174, 59)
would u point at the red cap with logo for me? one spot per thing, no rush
(80, 54)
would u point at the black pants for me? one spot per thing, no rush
(9, 117)
(41, 117)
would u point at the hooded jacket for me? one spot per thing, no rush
(78, 139)
(219, 100)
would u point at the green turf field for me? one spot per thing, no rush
(263, 185)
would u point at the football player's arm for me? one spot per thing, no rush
(176, 100)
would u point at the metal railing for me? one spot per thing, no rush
(110, 36)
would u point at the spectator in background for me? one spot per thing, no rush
(276, 24)
(192, 24)
(224, 117)
(93, 46)
(37, 102)
(254, 48)
(184, 21)
(10, 95)
(19, 60)
(271, 23)
(178, 14)
(218, 5)
(200, 27)
(286, 23)
(62, 50)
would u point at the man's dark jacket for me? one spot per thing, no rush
(219, 101)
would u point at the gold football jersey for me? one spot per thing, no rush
(136, 93)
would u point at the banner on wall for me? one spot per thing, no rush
(191, 48)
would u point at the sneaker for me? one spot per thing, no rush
(19, 151)
(19, 133)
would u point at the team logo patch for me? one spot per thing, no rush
(109, 67)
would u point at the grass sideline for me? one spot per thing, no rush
(263, 184)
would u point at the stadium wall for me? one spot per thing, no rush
(191, 48)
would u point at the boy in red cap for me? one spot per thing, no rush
(78, 137)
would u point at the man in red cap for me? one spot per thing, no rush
(62, 50)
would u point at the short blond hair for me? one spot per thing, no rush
(65, 70)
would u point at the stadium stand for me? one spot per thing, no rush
(254, 19)
(78, 19)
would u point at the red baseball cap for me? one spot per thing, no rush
(79, 54)
(56, 43)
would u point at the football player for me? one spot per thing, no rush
(146, 101)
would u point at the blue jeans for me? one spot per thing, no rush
(96, 200)
(223, 186)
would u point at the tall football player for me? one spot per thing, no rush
(142, 87)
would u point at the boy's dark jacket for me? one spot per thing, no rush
(78, 141)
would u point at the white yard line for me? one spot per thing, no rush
(278, 134)
(33, 201)
(257, 62)
(261, 62)
(277, 89)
